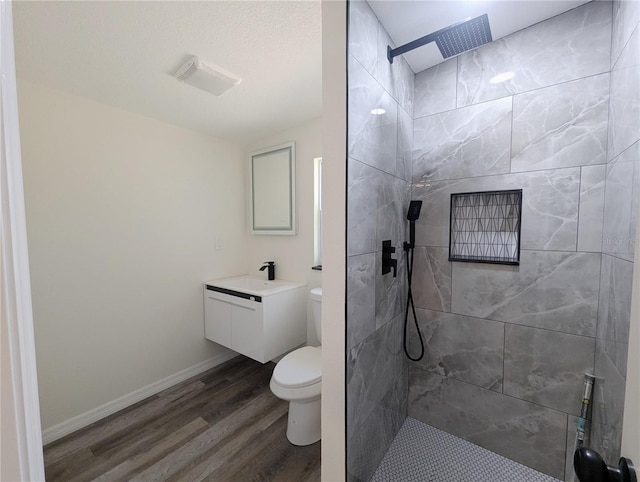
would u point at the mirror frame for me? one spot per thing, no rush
(288, 153)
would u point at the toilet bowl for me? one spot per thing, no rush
(297, 378)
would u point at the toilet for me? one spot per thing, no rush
(297, 378)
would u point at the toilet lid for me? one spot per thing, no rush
(299, 368)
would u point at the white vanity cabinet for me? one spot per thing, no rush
(259, 319)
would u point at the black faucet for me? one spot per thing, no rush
(272, 269)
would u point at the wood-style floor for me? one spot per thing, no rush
(223, 425)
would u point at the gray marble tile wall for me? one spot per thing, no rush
(490, 419)
(508, 345)
(619, 230)
(379, 174)
(564, 48)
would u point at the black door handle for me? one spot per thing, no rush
(590, 467)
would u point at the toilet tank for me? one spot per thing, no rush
(316, 308)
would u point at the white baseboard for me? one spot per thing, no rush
(87, 418)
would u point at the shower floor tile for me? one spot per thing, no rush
(423, 453)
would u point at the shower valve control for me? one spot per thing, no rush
(389, 263)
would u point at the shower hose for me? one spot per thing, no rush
(409, 249)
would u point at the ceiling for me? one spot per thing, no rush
(124, 53)
(408, 20)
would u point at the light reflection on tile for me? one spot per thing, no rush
(570, 46)
(372, 138)
(561, 126)
(474, 141)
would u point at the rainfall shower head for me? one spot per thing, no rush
(464, 36)
(469, 34)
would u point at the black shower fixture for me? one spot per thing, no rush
(414, 210)
(412, 216)
(413, 213)
(466, 35)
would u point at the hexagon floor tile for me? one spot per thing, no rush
(422, 453)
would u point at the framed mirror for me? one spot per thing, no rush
(273, 190)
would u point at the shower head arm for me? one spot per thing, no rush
(460, 37)
(403, 49)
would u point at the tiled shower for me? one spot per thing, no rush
(506, 346)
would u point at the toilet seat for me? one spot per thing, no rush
(300, 368)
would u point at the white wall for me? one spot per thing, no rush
(293, 254)
(122, 215)
(334, 129)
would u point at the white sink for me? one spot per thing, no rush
(258, 318)
(254, 286)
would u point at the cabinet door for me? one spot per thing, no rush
(246, 329)
(217, 321)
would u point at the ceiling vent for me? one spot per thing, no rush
(212, 79)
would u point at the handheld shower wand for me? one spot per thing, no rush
(412, 216)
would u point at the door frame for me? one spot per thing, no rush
(22, 435)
